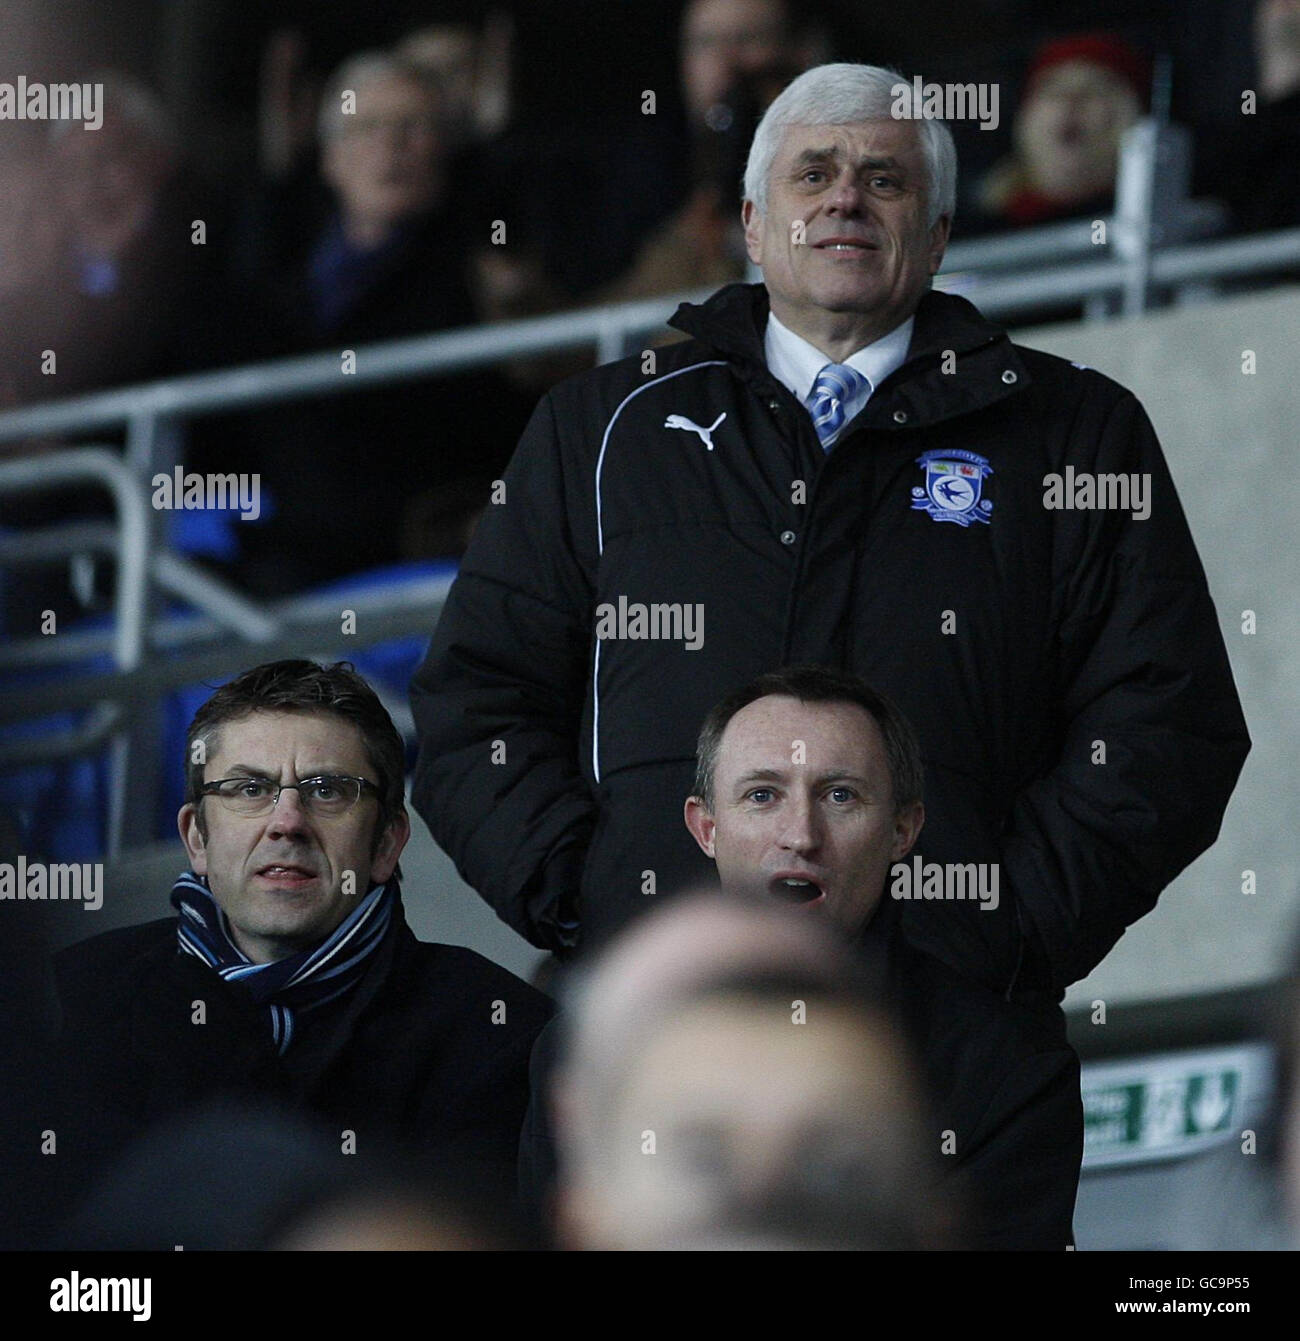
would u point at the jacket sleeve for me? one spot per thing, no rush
(1153, 733)
(498, 701)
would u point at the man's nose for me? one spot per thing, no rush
(288, 814)
(846, 195)
(800, 833)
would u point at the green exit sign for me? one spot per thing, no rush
(1168, 1106)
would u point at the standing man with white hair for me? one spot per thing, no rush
(846, 468)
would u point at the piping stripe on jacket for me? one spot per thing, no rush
(600, 543)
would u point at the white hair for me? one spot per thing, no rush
(364, 68)
(842, 95)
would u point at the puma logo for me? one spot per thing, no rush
(706, 434)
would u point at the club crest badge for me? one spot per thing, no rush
(954, 481)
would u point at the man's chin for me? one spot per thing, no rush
(815, 906)
(857, 303)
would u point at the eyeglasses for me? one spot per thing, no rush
(328, 795)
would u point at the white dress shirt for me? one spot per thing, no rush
(796, 363)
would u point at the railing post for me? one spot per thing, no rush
(611, 343)
(1151, 191)
(104, 466)
(1134, 201)
(152, 445)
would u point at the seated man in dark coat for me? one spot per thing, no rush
(808, 796)
(289, 975)
(808, 792)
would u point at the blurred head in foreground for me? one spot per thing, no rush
(390, 1219)
(733, 1080)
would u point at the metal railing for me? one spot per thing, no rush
(121, 704)
(1140, 249)
(1194, 266)
(130, 541)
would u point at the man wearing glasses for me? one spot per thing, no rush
(289, 974)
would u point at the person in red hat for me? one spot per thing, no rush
(1082, 93)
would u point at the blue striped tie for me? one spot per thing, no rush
(835, 384)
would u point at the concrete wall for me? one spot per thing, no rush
(1233, 444)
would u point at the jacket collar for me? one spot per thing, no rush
(734, 319)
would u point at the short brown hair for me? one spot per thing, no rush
(304, 686)
(817, 684)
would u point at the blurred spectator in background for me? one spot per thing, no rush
(735, 57)
(373, 477)
(1252, 162)
(26, 242)
(470, 56)
(286, 107)
(384, 255)
(111, 274)
(1081, 94)
(464, 61)
(732, 1080)
(470, 63)
(653, 206)
(27, 245)
(1277, 37)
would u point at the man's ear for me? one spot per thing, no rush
(187, 821)
(907, 828)
(699, 820)
(391, 843)
(753, 222)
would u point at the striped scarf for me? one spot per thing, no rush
(303, 981)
